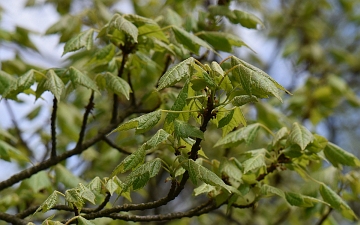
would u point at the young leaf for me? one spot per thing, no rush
(296, 199)
(197, 171)
(95, 185)
(246, 134)
(247, 20)
(270, 190)
(122, 24)
(84, 39)
(243, 99)
(111, 185)
(318, 144)
(175, 74)
(203, 188)
(336, 202)
(141, 123)
(22, 83)
(50, 202)
(255, 81)
(300, 135)
(231, 121)
(189, 41)
(6, 81)
(78, 77)
(73, 196)
(282, 133)
(38, 181)
(337, 155)
(158, 138)
(256, 161)
(52, 83)
(185, 130)
(86, 193)
(117, 85)
(102, 56)
(130, 161)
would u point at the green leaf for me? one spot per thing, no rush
(318, 144)
(203, 188)
(111, 185)
(64, 176)
(38, 181)
(50, 202)
(300, 135)
(122, 24)
(189, 40)
(217, 68)
(141, 175)
(231, 121)
(270, 190)
(141, 123)
(22, 83)
(130, 162)
(86, 193)
(221, 41)
(337, 202)
(244, 134)
(282, 133)
(256, 161)
(6, 80)
(197, 171)
(158, 138)
(255, 81)
(53, 83)
(185, 130)
(84, 39)
(296, 199)
(247, 20)
(117, 85)
(175, 74)
(73, 196)
(95, 185)
(337, 155)
(102, 56)
(78, 77)
(243, 99)
(82, 221)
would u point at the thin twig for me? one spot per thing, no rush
(53, 129)
(111, 144)
(88, 108)
(324, 217)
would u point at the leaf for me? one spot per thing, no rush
(73, 196)
(256, 161)
(122, 24)
(118, 85)
(318, 144)
(337, 202)
(6, 80)
(243, 99)
(300, 135)
(231, 121)
(141, 123)
(255, 81)
(175, 74)
(53, 83)
(217, 68)
(50, 202)
(270, 190)
(247, 20)
(296, 199)
(337, 155)
(22, 83)
(282, 133)
(158, 138)
(197, 171)
(86, 193)
(82, 221)
(203, 188)
(185, 130)
(189, 40)
(78, 77)
(221, 41)
(102, 56)
(38, 181)
(141, 175)
(111, 185)
(95, 185)
(244, 134)
(84, 39)
(66, 177)
(130, 162)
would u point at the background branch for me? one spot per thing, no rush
(53, 129)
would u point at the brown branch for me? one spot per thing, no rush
(77, 150)
(324, 217)
(12, 219)
(53, 129)
(111, 144)
(88, 108)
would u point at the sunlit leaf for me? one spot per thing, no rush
(185, 130)
(231, 121)
(53, 83)
(175, 74)
(77, 77)
(73, 196)
(256, 160)
(50, 202)
(117, 85)
(244, 134)
(82, 40)
(22, 83)
(122, 24)
(158, 138)
(130, 162)
(337, 155)
(243, 99)
(300, 135)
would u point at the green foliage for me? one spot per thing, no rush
(143, 105)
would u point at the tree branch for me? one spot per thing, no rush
(111, 144)
(53, 129)
(88, 108)
(77, 150)
(12, 219)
